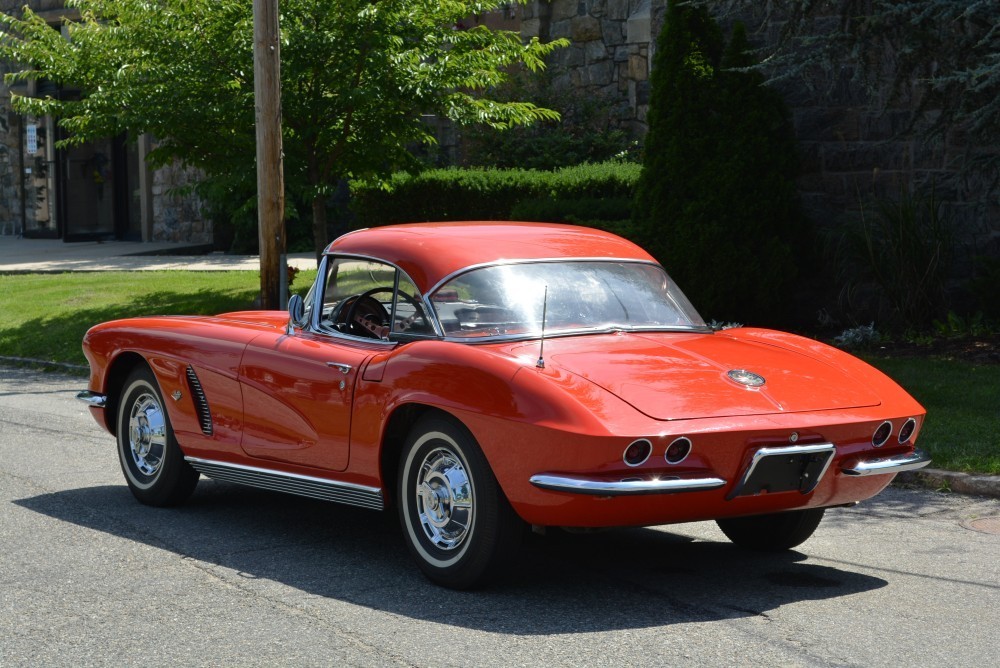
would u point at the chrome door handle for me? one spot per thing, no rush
(344, 368)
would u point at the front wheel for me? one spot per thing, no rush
(456, 521)
(772, 533)
(151, 460)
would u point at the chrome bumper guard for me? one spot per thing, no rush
(92, 399)
(885, 465)
(626, 487)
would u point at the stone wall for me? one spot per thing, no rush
(852, 151)
(10, 195)
(850, 148)
(176, 211)
(24, 174)
(609, 54)
(177, 214)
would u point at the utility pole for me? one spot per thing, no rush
(270, 169)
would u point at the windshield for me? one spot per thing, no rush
(508, 300)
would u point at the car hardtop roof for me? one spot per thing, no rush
(430, 252)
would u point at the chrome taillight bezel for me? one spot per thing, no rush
(909, 428)
(687, 450)
(879, 442)
(645, 444)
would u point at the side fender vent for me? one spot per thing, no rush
(200, 401)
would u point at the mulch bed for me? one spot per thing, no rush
(974, 349)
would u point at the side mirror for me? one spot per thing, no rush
(296, 313)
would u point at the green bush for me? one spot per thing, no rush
(589, 130)
(561, 210)
(484, 194)
(894, 262)
(717, 201)
(231, 204)
(984, 286)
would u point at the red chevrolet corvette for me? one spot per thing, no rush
(482, 377)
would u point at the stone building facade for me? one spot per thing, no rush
(96, 191)
(850, 147)
(611, 48)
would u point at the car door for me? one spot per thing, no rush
(298, 388)
(297, 398)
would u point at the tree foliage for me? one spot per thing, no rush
(357, 76)
(940, 57)
(716, 202)
(588, 131)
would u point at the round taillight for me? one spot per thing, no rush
(637, 452)
(906, 431)
(882, 434)
(678, 450)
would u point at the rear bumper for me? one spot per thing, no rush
(886, 465)
(626, 487)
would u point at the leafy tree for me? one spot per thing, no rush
(943, 56)
(357, 75)
(586, 132)
(716, 201)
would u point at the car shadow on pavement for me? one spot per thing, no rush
(561, 583)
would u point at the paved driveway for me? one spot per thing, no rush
(243, 577)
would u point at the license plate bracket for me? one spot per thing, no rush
(785, 469)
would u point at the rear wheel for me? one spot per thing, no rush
(456, 521)
(772, 533)
(150, 458)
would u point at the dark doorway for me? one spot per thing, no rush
(98, 191)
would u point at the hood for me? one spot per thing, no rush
(671, 376)
(270, 319)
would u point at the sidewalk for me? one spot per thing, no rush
(53, 255)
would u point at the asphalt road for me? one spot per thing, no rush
(242, 577)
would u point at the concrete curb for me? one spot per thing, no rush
(962, 483)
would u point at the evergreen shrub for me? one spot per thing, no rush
(717, 201)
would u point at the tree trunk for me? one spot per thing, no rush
(270, 168)
(319, 225)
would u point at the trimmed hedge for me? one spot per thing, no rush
(489, 194)
(558, 210)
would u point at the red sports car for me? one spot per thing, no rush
(483, 377)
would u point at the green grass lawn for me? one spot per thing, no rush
(44, 316)
(962, 430)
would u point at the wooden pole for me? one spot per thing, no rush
(270, 170)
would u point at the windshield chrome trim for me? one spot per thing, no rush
(317, 297)
(598, 331)
(316, 328)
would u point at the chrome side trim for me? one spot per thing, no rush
(626, 487)
(92, 399)
(291, 483)
(885, 465)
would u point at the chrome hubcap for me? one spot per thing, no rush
(147, 434)
(444, 499)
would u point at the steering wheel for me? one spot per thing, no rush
(418, 314)
(366, 316)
